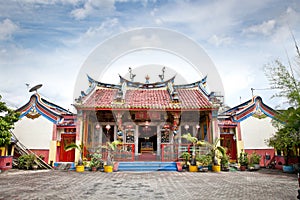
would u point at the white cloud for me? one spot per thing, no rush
(91, 6)
(7, 29)
(219, 40)
(265, 28)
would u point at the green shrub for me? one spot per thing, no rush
(26, 161)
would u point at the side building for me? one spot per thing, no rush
(247, 126)
(44, 128)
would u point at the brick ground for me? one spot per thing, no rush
(263, 184)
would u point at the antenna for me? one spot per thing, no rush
(35, 88)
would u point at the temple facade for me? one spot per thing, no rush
(148, 118)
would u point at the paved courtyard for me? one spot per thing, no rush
(53, 184)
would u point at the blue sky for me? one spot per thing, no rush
(47, 41)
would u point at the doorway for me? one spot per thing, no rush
(67, 156)
(147, 143)
(230, 144)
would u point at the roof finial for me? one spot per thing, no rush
(147, 78)
(131, 75)
(162, 76)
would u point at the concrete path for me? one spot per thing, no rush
(263, 184)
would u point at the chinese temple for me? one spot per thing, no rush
(42, 127)
(247, 126)
(148, 118)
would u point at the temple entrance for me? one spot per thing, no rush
(67, 156)
(229, 142)
(147, 143)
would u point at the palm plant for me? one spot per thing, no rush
(217, 152)
(72, 146)
(194, 141)
(111, 147)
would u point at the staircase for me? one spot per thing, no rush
(22, 150)
(147, 166)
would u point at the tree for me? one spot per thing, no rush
(7, 119)
(287, 122)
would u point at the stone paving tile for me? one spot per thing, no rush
(53, 184)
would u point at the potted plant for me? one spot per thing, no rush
(80, 165)
(254, 161)
(204, 161)
(216, 153)
(96, 161)
(26, 161)
(225, 162)
(193, 165)
(186, 157)
(285, 140)
(243, 160)
(110, 147)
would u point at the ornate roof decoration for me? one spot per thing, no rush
(254, 107)
(136, 95)
(38, 106)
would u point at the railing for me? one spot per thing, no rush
(172, 152)
(124, 152)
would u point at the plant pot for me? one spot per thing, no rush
(5, 162)
(256, 166)
(94, 169)
(288, 168)
(80, 168)
(203, 168)
(243, 168)
(225, 169)
(108, 168)
(193, 168)
(216, 168)
(34, 167)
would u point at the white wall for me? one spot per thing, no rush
(256, 131)
(34, 133)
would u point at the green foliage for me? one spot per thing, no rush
(204, 160)
(72, 146)
(111, 147)
(186, 156)
(96, 159)
(7, 119)
(225, 160)
(194, 141)
(26, 161)
(216, 152)
(255, 158)
(283, 78)
(243, 158)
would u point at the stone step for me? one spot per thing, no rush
(147, 166)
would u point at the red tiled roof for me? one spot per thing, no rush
(190, 98)
(101, 98)
(226, 123)
(147, 98)
(193, 98)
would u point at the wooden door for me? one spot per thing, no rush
(228, 142)
(67, 156)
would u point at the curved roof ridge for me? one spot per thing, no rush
(39, 106)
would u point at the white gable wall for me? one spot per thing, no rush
(255, 131)
(34, 133)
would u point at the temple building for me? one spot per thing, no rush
(44, 128)
(247, 126)
(148, 118)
